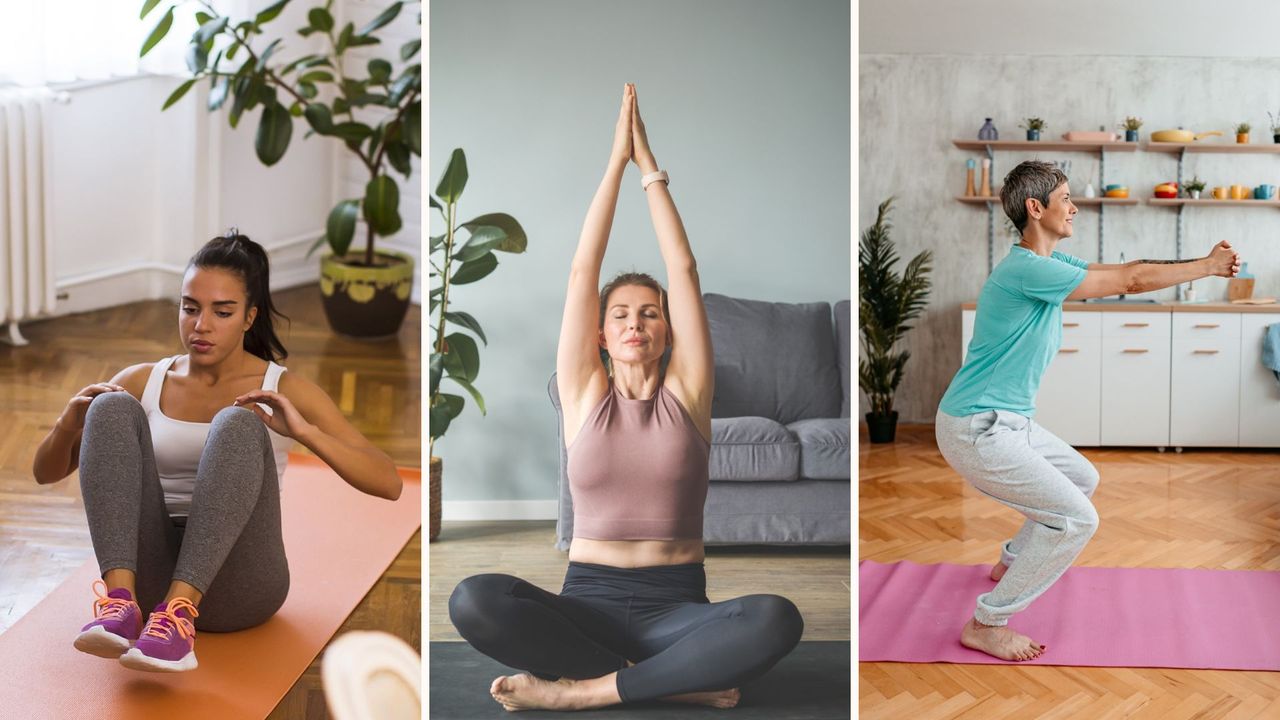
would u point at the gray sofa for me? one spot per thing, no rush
(780, 428)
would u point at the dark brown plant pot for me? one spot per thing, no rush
(362, 302)
(881, 428)
(433, 500)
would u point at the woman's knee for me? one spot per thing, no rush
(1085, 476)
(1083, 519)
(113, 407)
(242, 423)
(478, 601)
(775, 621)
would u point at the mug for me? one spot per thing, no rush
(1264, 192)
(1239, 192)
(1220, 193)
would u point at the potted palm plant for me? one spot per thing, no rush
(375, 112)
(887, 303)
(455, 356)
(1242, 132)
(1034, 126)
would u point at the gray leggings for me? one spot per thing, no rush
(231, 548)
(1009, 457)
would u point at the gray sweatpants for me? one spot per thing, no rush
(231, 548)
(1009, 457)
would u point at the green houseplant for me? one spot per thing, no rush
(1033, 126)
(1275, 127)
(1194, 188)
(1242, 132)
(375, 113)
(887, 303)
(1130, 126)
(455, 356)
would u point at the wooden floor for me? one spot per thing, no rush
(815, 579)
(1198, 509)
(43, 536)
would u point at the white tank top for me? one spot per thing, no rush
(178, 443)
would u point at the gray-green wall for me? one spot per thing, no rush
(747, 106)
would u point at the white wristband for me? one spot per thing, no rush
(654, 177)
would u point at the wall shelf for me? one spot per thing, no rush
(1232, 148)
(1052, 146)
(1179, 202)
(1079, 201)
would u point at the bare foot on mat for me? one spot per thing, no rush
(714, 698)
(526, 692)
(999, 641)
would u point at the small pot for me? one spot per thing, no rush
(881, 428)
(1195, 194)
(366, 303)
(1131, 136)
(1276, 138)
(1242, 138)
(1033, 134)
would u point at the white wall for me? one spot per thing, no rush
(911, 107)
(747, 106)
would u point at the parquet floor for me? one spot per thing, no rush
(43, 536)
(1198, 509)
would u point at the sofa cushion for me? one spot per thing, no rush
(844, 344)
(753, 449)
(824, 448)
(774, 360)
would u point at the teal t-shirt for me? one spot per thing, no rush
(1016, 332)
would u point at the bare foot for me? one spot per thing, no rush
(999, 641)
(526, 692)
(716, 698)
(998, 571)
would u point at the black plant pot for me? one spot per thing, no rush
(1033, 134)
(1131, 136)
(1276, 138)
(881, 428)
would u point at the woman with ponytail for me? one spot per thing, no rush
(180, 464)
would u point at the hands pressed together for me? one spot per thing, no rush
(630, 141)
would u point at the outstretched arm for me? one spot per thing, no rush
(1141, 276)
(578, 368)
(692, 368)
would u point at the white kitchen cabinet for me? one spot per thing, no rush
(1205, 380)
(1259, 388)
(1135, 378)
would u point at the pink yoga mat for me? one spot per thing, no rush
(1102, 617)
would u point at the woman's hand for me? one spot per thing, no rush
(640, 151)
(72, 418)
(1224, 261)
(284, 418)
(621, 152)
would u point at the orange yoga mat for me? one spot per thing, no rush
(339, 542)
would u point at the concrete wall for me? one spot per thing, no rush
(911, 107)
(747, 106)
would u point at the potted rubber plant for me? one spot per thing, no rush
(373, 111)
(455, 355)
(1242, 132)
(1034, 126)
(1130, 126)
(887, 303)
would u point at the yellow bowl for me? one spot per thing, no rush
(1118, 193)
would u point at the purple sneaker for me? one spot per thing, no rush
(168, 642)
(117, 621)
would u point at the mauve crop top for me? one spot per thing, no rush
(638, 470)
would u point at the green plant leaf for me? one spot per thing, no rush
(308, 90)
(413, 135)
(274, 130)
(361, 40)
(382, 205)
(434, 203)
(516, 240)
(203, 17)
(437, 371)
(379, 71)
(353, 131)
(341, 226)
(176, 95)
(461, 357)
(232, 49)
(197, 58)
(446, 408)
(323, 239)
(210, 28)
(436, 242)
(400, 87)
(319, 118)
(157, 34)
(147, 7)
(455, 176)
(475, 269)
(317, 76)
(410, 49)
(483, 239)
(475, 394)
(266, 55)
(399, 156)
(344, 38)
(305, 61)
(320, 20)
(385, 17)
(466, 321)
(218, 93)
(270, 12)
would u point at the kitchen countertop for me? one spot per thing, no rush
(1220, 306)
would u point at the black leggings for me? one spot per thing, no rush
(657, 617)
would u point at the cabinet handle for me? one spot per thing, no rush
(1137, 325)
(1207, 325)
(1069, 350)
(1136, 350)
(1067, 324)
(1205, 352)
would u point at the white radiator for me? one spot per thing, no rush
(26, 253)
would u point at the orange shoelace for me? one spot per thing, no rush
(186, 629)
(108, 607)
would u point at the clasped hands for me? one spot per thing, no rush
(630, 141)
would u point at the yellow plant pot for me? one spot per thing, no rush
(366, 302)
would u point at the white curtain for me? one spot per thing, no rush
(58, 41)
